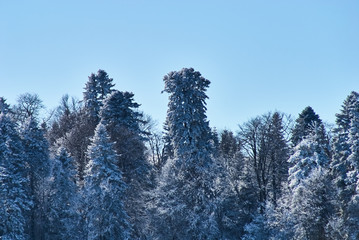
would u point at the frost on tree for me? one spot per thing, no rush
(345, 168)
(186, 196)
(14, 196)
(104, 191)
(63, 216)
(97, 88)
(122, 119)
(36, 150)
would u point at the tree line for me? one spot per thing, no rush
(97, 168)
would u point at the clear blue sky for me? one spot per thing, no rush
(260, 56)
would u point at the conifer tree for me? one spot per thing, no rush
(63, 217)
(305, 123)
(186, 196)
(4, 107)
(97, 88)
(14, 196)
(309, 188)
(122, 119)
(344, 166)
(37, 158)
(104, 191)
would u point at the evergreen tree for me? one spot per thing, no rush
(97, 88)
(119, 113)
(63, 218)
(37, 158)
(305, 123)
(123, 124)
(308, 155)
(309, 188)
(236, 192)
(186, 196)
(104, 190)
(14, 196)
(344, 166)
(4, 107)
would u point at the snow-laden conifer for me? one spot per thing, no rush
(186, 196)
(36, 152)
(97, 88)
(104, 189)
(15, 199)
(63, 216)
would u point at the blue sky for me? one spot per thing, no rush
(260, 56)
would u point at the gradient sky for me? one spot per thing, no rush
(260, 56)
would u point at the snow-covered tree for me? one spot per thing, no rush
(97, 88)
(15, 200)
(4, 107)
(186, 196)
(266, 152)
(122, 119)
(28, 106)
(104, 191)
(36, 151)
(305, 123)
(344, 165)
(307, 156)
(238, 196)
(63, 217)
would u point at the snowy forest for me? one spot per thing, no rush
(98, 168)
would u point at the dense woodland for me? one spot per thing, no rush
(98, 168)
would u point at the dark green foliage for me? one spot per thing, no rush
(305, 124)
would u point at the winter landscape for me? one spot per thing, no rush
(179, 120)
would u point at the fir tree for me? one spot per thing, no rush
(97, 88)
(305, 123)
(63, 217)
(104, 190)
(186, 196)
(344, 166)
(37, 157)
(122, 119)
(15, 198)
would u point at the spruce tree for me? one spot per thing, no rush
(36, 150)
(309, 188)
(186, 196)
(104, 191)
(122, 119)
(97, 88)
(15, 197)
(344, 165)
(63, 217)
(305, 123)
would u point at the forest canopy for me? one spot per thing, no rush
(98, 168)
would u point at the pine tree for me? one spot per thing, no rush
(63, 217)
(104, 190)
(186, 196)
(15, 196)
